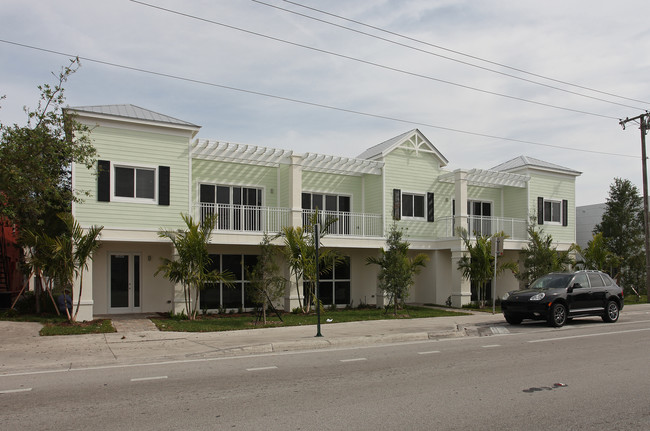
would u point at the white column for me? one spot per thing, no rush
(461, 288)
(295, 192)
(178, 295)
(86, 303)
(460, 195)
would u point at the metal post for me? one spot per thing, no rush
(317, 244)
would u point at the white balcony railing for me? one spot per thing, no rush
(482, 225)
(246, 218)
(342, 223)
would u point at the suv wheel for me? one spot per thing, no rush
(557, 315)
(611, 312)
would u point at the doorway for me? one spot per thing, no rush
(124, 283)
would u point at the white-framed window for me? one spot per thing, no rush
(413, 205)
(552, 211)
(134, 183)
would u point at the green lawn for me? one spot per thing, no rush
(226, 322)
(59, 325)
(633, 299)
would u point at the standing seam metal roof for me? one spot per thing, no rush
(134, 112)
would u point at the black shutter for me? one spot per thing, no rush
(397, 204)
(430, 216)
(540, 210)
(163, 185)
(103, 181)
(565, 212)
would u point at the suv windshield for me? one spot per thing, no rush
(552, 281)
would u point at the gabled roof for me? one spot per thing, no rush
(524, 162)
(413, 139)
(134, 113)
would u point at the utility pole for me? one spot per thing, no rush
(644, 120)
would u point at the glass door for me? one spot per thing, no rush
(124, 283)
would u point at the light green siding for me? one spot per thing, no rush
(236, 174)
(554, 187)
(373, 194)
(416, 173)
(515, 203)
(135, 148)
(347, 185)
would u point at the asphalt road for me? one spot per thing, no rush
(586, 376)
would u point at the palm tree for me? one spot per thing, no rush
(478, 265)
(191, 268)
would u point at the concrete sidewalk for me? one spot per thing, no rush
(138, 341)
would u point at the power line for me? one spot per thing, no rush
(466, 63)
(466, 55)
(370, 63)
(308, 103)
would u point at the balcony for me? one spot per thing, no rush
(245, 218)
(248, 218)
(515, 229)
(345, 223)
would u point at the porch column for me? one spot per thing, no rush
(460, 195)
(461, 290)
(178, 294)
(291, 296)
(295, 190)
(86, 303)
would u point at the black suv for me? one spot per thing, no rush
(559, 296)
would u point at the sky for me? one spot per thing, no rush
(484, 81)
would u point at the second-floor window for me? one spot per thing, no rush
(412, 205)
(236, 208)
(133, 182)
(552, 211)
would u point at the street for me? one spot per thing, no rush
(587, 375)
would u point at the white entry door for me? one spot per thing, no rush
(124, 283)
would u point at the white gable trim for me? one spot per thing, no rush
(485, 178)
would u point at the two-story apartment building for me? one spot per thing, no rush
(151, 168)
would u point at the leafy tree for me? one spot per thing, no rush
(597, 256)
(540, 256)
(35, 172)
(191, 267)
(478, 265)
(267, 285)
(396, 270)
(623, 232)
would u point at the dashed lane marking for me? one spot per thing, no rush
(429, 352)
(354, 360)
(13, 391)
(261, 368)
(143, 379)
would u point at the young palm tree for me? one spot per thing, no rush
(478, 266)
(191, 268)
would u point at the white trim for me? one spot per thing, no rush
(424, 207)
(134, 199)
(131, 296)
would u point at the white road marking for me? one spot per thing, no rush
(13, 391)
(261, 368)
(354, 360)
(499, 330)
(489, 346)
(142, 379)
(429, 352)
(588, 335)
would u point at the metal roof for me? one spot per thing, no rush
(531, 162)
(132, 112)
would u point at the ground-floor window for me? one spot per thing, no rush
(485, 294)
(335, 284)
(221, 296)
